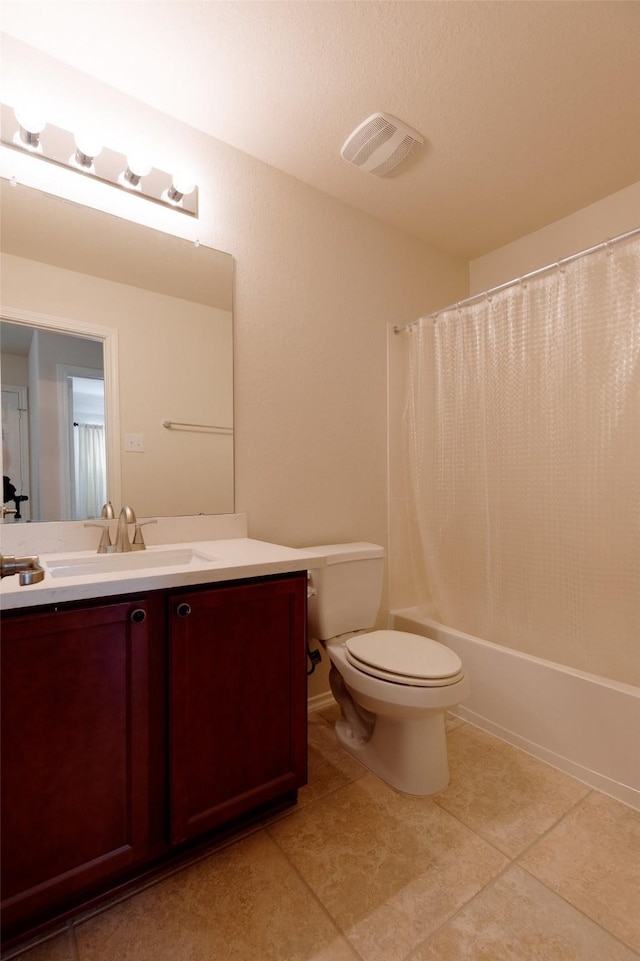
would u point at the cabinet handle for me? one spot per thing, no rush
(138, 616)
(183, 610)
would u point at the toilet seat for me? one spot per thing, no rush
(404, 658)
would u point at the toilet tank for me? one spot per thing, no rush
(348, 589)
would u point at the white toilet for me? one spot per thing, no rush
(393, 687)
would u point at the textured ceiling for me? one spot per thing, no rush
(530, 110)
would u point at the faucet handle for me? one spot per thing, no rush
(104, 547)
(138, 543)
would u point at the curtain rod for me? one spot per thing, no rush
(398, 328)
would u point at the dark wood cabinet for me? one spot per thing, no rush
(238, 701)
(136, 727)
(75, 752)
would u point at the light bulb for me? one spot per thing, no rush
(31, 118)
(89, 143)
(32, 123)
(183, 183)
(88, 147)
(137, 168)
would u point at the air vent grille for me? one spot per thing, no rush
(380, 144)
(365, 140)
(405, 149)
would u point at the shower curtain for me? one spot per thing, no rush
(522, 428)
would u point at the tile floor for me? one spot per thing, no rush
(514, 861)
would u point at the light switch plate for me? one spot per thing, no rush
(134, 442)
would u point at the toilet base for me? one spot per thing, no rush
(409, 754)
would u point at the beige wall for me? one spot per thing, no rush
(610, 217)
(316, 285)
(14, 370)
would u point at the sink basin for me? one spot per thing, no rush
(128, 561)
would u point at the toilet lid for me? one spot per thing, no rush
(404, 658)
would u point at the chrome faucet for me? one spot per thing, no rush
(127, 516)
(122, 543)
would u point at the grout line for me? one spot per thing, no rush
(487, 840)
(307, 805)
(366, 772)
(562, 817)
(588, 791)
(456, 817)
(463, 907)
(265, 828)
(580, 911)
(558, 893)
(163, 875)
(317, 900)
(515, 862)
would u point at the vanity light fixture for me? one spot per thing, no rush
(26, 130)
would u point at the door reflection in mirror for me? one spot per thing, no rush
(15, 451)
(60, 380)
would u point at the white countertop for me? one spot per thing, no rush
(223, 560)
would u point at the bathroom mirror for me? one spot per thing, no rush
(158, 311)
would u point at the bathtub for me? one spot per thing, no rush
(585, 725)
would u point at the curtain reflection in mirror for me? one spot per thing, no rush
(85, 416)
(90, 470)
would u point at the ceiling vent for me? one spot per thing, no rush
(380, 144)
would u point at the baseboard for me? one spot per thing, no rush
(606, 785)
(319, 701)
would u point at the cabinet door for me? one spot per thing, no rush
(74, 753)
(238, 700)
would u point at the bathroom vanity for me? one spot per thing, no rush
(145, 713)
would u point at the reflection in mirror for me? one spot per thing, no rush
(54, 457)
(151, 320)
